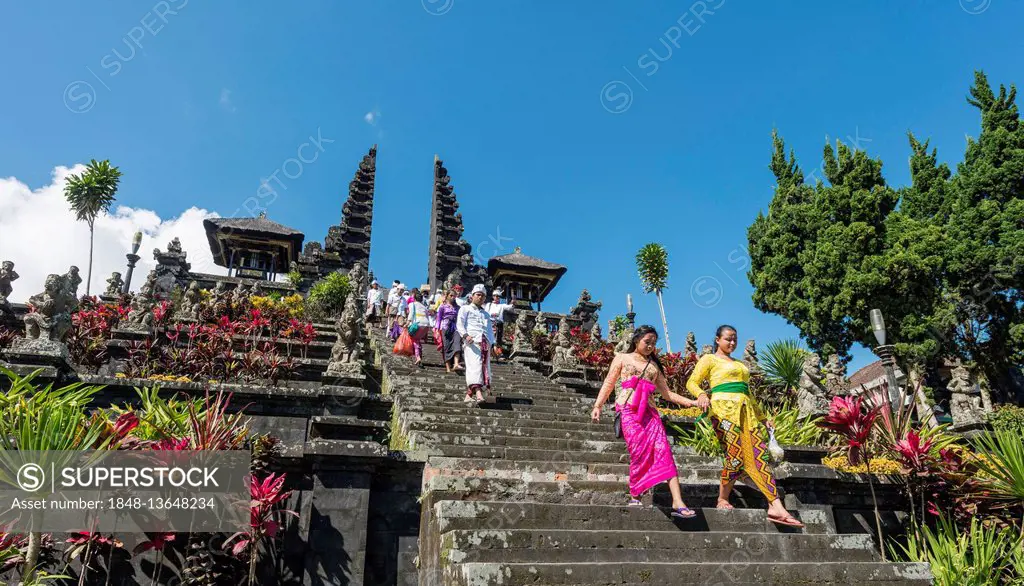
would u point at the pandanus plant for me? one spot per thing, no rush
(652, 265)
(850, 419)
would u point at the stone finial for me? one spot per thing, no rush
(7, 275)
(836, 382)
(691, 343)
(51, 316)
(707, 349)
(595, 332)
(965, 404)
(114, 285)
(811, 396)
(71, 282)
(750, 358)
(175, 246)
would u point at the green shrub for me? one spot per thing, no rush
(978, 556)
(327, 297)
(294, 277)
(1008, 418)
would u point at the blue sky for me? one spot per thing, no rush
(525, 101)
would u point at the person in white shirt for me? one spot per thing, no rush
(418, 326)
(374, 302)
(497, 311)
(477, 331)
(392, 303)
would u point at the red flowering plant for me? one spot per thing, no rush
(593, 352)
(264, 518)
(89, 546)
(90, 330)
(12, 546)
(851, 420)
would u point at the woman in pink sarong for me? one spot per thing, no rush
(650, 455)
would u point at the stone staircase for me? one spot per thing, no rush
(527, 490)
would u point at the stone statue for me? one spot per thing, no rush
(191, 303)
(114, 285)
(691, 344)
(541, 323)
(707, 349)
(171, 270)
(562, 357)
(522, 342)
(836, 382)
(965, 406)
(357, 278)
(625, 336)
(595, 332)
(140, 317)
(256, 290)
(220, 298)
(239, 296)
(347, 348)
(71, 282)
(7, 275)
(750, 358)
(51, 318)
(811, 396)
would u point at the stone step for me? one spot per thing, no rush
(598, 434)
(347, 427)
(531, 454)
(761, 573)
(424, 439)
(562, 470)
(626, 546)
(509, 392)
(451, 515)
(456, 394)
(455, 403)
(487, 419)
(487, 410)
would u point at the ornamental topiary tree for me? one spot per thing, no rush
(90, 193)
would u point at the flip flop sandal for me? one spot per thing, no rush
(684, 513)
(467, 399)
(635, 503)
(788, 521)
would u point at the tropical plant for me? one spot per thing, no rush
(702, 439)
(652, 265)
(1001, 463)
(327, 296)
(89, 194)
(977, 557)
(294, 278)
(793, 430)
(264, 519)
(848, 419)
(783, 362)
(46, 420)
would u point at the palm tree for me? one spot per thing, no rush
(783, 363)
(90, 193)
(652, 264)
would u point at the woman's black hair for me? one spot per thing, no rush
(718, 334)
(640, 333)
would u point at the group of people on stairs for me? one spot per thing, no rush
(467, 330)
(735, 417)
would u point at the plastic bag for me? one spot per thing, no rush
(778, 454)
(403, 346)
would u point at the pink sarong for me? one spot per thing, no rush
(650, 455)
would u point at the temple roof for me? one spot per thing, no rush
(519, 259)
(251, 225)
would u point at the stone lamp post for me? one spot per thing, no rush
(132, 259)
(886, 353)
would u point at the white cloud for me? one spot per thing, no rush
(371, 118)
(225, 100)
(39, 233)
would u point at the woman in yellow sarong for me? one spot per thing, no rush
(736, 420)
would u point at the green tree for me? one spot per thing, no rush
(90, 193)
(652, 264)
(943, 258)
